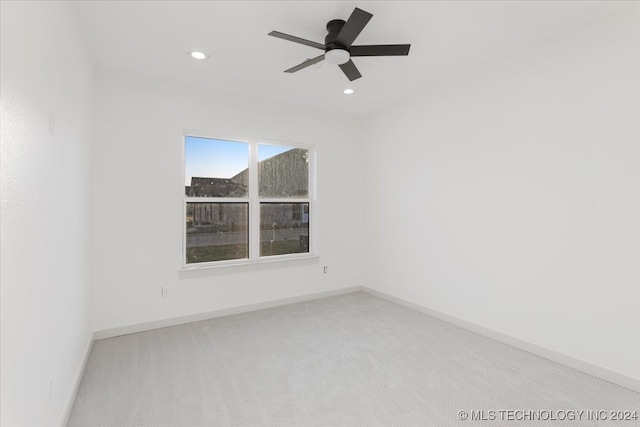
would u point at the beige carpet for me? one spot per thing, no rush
(350, 360)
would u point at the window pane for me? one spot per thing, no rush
(217, 231)
(284, 228)
(216, 168)
(283, 172)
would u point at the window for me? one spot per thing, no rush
(245, 201)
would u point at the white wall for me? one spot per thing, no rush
(45, 240)
(509, 199)
(138, 188)
(520, 185)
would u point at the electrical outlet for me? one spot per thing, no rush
(164, 291)
(326, 269)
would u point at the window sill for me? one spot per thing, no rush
(247, 265)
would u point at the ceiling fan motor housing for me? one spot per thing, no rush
(334, 27)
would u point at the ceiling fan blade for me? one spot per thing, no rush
(350, 70)
(352, 28)
(380, 50)
(305, 64)
(295, 39)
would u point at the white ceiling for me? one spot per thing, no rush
(449, 39)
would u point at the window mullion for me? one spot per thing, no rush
(285, 200)
(254, 203)
(216, 200)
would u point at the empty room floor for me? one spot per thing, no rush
(349, 360)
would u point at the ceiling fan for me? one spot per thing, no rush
(338, 48)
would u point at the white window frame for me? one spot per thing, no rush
(254, 201)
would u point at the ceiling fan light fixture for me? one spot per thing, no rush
(337, 56)
(198, 55)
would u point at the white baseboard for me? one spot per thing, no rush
(76, 383)
(163, 323)
(580, 365)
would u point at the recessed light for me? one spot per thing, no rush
(348, 91)
(198, 55)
